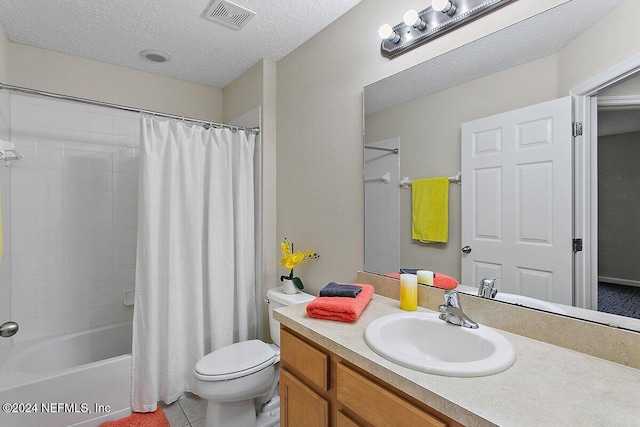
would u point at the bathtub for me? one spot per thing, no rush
(80, 379)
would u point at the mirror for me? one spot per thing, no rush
(420, 111)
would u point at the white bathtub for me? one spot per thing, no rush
(81, 379)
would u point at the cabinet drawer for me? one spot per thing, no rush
(377, 405)
(305, 360)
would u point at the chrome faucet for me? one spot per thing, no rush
(487, 288)
(451, 311)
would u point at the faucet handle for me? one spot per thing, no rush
(451, 298)
(487, 288)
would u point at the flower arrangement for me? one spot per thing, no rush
(290, 259)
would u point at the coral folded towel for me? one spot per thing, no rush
(343, 309)
(445, 282)
(430, 210)
(334, 289)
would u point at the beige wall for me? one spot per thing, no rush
(257, 88)
(628, 87)
(243, 94)
(70, 75)
(610, 41)
(429, 131)
(4, 60)
(320, 192)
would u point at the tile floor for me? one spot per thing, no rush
(188, 411)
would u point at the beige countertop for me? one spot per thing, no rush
(547, 385)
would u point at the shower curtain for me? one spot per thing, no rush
(195, 267)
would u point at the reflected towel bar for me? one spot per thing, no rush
(405, 182)
(386, 178)
(391, 150)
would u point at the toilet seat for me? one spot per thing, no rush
(235, 361)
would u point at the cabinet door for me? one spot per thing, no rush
(299, 405)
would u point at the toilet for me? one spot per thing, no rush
(240, 381)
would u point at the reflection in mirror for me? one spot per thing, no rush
(425, 106)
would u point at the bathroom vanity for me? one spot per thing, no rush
(330, 377)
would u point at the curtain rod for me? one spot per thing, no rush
(255, 130)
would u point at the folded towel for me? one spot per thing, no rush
(445, 282)
(412, 271)
(343, 309)
(334, 289)
(430, 210)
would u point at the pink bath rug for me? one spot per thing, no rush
(140, 419)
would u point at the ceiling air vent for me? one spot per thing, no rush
(228, 13)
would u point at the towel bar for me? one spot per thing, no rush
(405, 182)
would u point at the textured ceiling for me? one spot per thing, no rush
(534, 38)
(115, 31)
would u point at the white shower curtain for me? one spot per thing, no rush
(195, 268)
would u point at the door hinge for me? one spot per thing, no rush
(577, 245)
(577, 129)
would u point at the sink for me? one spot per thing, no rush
(525, 301)
(421, 341)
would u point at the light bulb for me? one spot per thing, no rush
(444, 6)
(412, 17)
(386, 32)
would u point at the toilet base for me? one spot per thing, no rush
(268, 419)
(241, 414)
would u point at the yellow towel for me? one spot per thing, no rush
(430, 213)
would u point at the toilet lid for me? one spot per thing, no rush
(235, 360)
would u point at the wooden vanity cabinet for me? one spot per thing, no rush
(320, 389)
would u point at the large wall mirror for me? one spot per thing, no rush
(413, 123)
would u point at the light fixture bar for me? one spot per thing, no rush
(437, 23)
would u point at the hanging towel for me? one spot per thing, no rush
(430, 210)
(343, 309)
(334, 289)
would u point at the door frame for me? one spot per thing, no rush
(585, 110)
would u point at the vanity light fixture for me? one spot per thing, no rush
(386, 32)
(445, 6)
(442, 16)
(412, 17)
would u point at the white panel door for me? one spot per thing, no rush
(517, 201)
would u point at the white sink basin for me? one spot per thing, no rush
(421, 341)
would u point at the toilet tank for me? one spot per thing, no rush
(277, 298)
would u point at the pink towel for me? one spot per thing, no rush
(343, 309)
(444, 282)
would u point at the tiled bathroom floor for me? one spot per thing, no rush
(188, 411)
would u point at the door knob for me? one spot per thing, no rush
(8, 329)
(466, 250)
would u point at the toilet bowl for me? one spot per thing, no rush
(240, 381)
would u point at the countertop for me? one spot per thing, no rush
(547, 385)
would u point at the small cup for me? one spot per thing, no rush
(408, 292)
(425, 277)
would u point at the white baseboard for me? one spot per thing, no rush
(617, 281)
